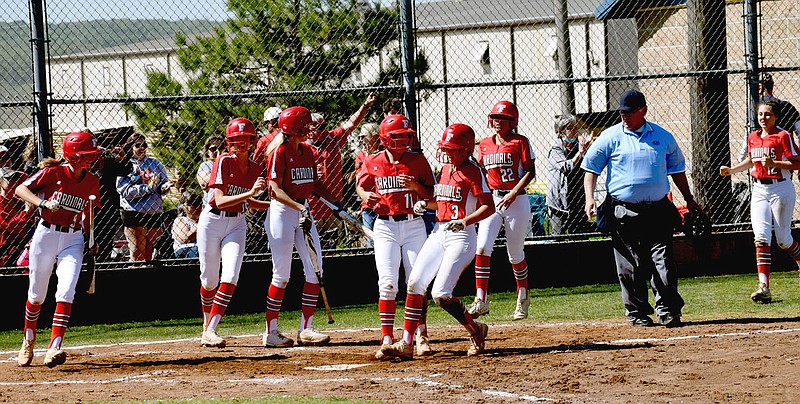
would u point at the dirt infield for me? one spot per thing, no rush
(748, 360)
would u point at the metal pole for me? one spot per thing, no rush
(751, 59)
(564, 56)
(38, 43)
(407, 59)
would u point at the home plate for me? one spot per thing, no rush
(343, 366)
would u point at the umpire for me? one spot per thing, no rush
(639, 156)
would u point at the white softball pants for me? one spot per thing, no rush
(284, 232)
(395, 242)
(442, 259)
(49, 246)
(771, 207)
(517, 218)
(220, 237)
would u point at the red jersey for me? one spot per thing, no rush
(226, 175)
(294, 170)
(56, 183)
(778, 146)
(457, 191)
(383, 176)
(328, 146)
(360, 157)
(259, 155)
(507, 162)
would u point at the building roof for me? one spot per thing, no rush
(454, 14)
(609, 9)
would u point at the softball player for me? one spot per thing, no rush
(222, 226)
(61, 191)
(392, 181)
(292, 179)
(509, 162)
(771, 154)
(462, 199)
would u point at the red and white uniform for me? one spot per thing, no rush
(361, 156)
(62, 239)
(330, 168)
(399, 234)
(259, 154)
(221, 233)
(772, 204)
(505, 164)
(445, 253)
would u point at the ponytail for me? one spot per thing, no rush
(279, 139)
(49, 162)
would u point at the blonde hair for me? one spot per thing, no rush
(371, 128)
(279, 139)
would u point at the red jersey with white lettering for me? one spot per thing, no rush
(778, 145)
(294, 170)
(57, 184)
(226, 175)
(384, 175)
(457, 191)
(507, 162)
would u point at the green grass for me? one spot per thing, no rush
(707, 299)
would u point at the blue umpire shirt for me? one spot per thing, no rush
(638, 163)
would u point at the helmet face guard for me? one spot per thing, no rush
(504, 110)
(458, 140)
(395, 132)
(80, 149)
(239, 133)
(295, 121)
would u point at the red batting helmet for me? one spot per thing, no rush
(457, 136)
(80, 149)
(295, 121)
(396, 132)
(505, 110)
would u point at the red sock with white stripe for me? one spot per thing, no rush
(794, 250)
(521, 275)
(31, 318)
(309, 304)
(60, 323)
(206, 301)
(274, 302)
(413, 313)
(386, 310)
(763, 263)
(221, 301)
(482, 267)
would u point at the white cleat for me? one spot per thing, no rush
(424, 346)
(55, 357)
(277, 340)
(521, 312)
(478, 308)
(25, 353)
(211, 339)
(477, 341)
(310, 336)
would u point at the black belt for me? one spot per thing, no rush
(768, 181)
(225, 213)
(615, 201)
(397, 218)
(58, 227)
(503, 192)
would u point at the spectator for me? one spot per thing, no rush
(184, 228)
(114, 162)
(640, 156)
(270, 120)
(565, 178)
(212, 148)
(15, 217)
(141, 200)
(370, 142)
(328, 146)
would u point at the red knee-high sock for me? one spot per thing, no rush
(413, 313)
(386, 310)
(206, 301)
(221, 301)
(763, 263)
(794, 250)
(274, 302)
(31, 318)
(521, 275)
(482, 267)
(60, 323)
(309, 303)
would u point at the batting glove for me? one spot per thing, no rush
(52, 205)
(305, 219)
(455, 225)
(420, 207)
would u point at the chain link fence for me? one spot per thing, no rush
(173, 76)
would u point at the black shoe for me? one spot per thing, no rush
(670, 320)
(641, 321)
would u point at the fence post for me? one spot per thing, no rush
(751, 59)
(407, 59)
(564, 57)
(40, 108)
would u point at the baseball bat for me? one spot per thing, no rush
(312, 255)
(346, 217)
(90, 265)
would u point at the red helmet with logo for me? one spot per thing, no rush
(505, 110)
(295, 121)
(396, 132)
(80, 149)
(239, 130)
(457, 136)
